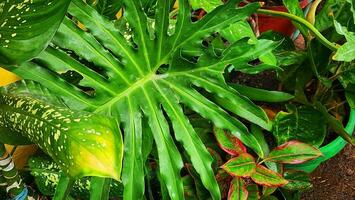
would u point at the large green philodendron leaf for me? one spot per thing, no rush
(26, 27)
(143, 79)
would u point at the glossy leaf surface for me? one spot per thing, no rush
(240, 166)
(83, 144)
(303, 123)
(293, 152)
(26, 27)
(228, 142)
(267, 177)
(136, 77)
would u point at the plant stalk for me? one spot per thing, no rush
(303, 22)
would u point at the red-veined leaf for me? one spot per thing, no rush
(229, 143)
(241, 166)
(267, 177)
(237, 190)
(293, 152)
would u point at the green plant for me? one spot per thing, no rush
(146, 68)
(267, 169)
(144, 77)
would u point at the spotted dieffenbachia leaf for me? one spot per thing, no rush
(267, 177)
(240, 166)
(83, 144)
(26, 27)
(293, 152)
(46, 174)
(147, 76)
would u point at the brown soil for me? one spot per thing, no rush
(334, 179)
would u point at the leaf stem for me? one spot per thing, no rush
(303, 22)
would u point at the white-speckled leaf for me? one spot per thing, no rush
(27, 26)
(82, 144)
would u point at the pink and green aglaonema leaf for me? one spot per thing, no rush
(293, 152)
(237, 190)
(229, 143)
(266, 177)
(241, 166)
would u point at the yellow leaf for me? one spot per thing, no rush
(7, 77)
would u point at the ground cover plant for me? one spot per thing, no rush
(162, 69)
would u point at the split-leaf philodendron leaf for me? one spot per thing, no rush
(147, 76)
(26, 27)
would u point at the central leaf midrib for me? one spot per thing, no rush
(126, 92)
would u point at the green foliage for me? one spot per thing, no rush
(143, 79)
(207, 5)
(47, 173)
(241, 166)
(303, 123)
(244, 165)
(346, 52)
(83, 144)
(26, 27)
(267, 177)
(237, 190)
(230, 144)
(297, 180)
(293, 152)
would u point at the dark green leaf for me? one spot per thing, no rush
(303, 123)
(240, 166)
(26, 27)
(257, 94)
(100, 188)
(293, 152)
(267, 191)
(62, 191)
(260, 139)
(253, 192)
(108, 8)
(335, 124)
(266, 177)
(297, 180)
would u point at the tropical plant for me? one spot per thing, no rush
(267, 170)
(145, 75)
